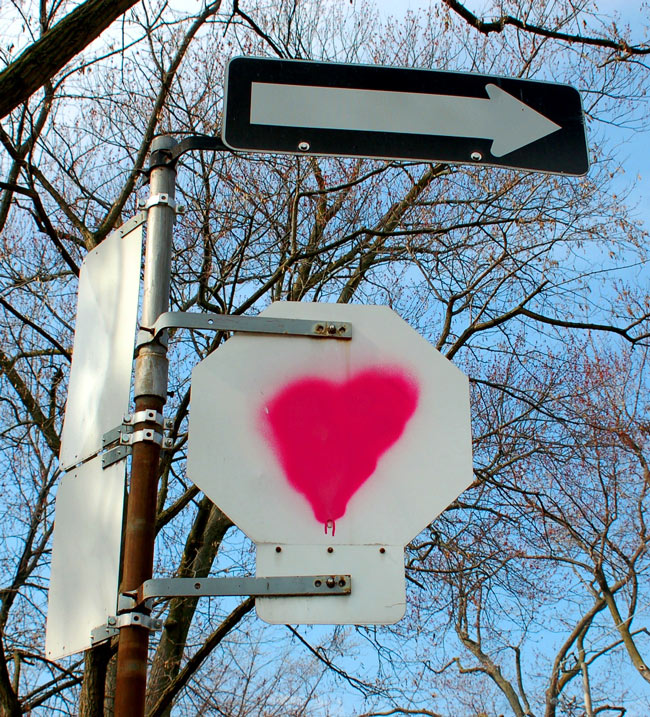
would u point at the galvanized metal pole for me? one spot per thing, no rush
(150, 393)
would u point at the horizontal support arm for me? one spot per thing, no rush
(248, 324)
(293, 586)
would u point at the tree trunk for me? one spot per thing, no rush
(91, 701)
(42, 60)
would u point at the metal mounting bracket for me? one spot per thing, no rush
(169, 157)
(115, 454)
(124, 432)
(102, 633)
(126, 436)
(248, 324)
(135, 221)
(290, 586)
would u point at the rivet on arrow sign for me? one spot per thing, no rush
(303, 146)
(476, 156)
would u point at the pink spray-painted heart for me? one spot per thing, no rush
(329, 436)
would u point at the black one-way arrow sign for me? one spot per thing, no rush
(397, 113)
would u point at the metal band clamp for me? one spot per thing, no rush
(164, 199)
(128, 619)
(145, 435)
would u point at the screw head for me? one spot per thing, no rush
(330, 550)
(278, 549)
(304, 146)
(476, 156)
(382, 550)
(330, 582)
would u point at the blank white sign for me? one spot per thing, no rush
(100, 376)
(85, 555)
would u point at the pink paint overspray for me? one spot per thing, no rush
(328, 436)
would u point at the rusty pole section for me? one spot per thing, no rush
(150, 393)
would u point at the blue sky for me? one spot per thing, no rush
(634, 142)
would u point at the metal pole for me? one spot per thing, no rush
(150, 393)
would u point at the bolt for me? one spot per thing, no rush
(169, 442)
(197, 586)
(141, 203)
(330, 582)
(303, 146)
(476, 156)
(341, 329)
(331, 329)
(278, 549)
(136, 618)
(320, 328)
(317, 583)
(111, 621)
(382, 550)
(330, 550)
(342, 582)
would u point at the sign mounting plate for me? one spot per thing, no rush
(336, 109)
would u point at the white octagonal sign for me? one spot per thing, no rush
(331, 455)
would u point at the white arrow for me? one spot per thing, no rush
(507, 121)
